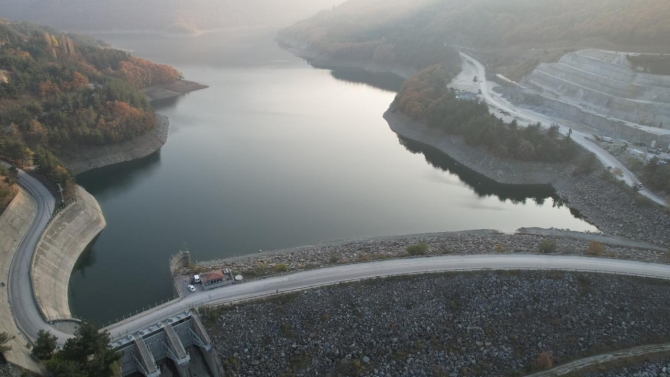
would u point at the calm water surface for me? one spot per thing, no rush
(274, 154)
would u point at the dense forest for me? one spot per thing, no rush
(416, 31)
(425, 97)
(58, 90)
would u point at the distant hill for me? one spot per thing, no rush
(178, 16)
(535, 30)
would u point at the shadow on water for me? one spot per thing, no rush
(385, 81)
(482, 185)
(166, 103)
(120, 177)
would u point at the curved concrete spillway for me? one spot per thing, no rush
(61, 244)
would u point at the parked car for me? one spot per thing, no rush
(196, 278)
(191, 287)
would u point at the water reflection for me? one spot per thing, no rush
(166, 103)
(115, 179)
(385, 81)
(482, 185)
(86, 259)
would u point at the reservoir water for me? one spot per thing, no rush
(275, 154)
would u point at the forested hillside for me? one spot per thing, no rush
(425, 98)
(405, 31)
(59, 90)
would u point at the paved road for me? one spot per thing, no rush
(333, 275)
(579, 137)
(25, 311)
(574, 367)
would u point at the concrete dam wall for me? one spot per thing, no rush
(63, 241)
(604, 83)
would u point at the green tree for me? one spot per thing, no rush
(86, 355)
(45, 345)
(4, 339)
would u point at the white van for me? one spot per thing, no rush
(196, 278)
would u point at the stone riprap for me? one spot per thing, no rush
(483, 324)
(467, 242)
(62, 242)
(614, 210)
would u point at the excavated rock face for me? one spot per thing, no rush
(605, 83)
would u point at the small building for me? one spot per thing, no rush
(216, 279)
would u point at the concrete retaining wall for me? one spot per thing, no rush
(63, 241)
(14, 224)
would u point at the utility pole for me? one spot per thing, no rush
(60, 189)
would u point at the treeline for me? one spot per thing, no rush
(657, 176)
(60, 90)
(425, 97)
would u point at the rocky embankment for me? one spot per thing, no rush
(81, 159)
(483, 324)
(461, 243)
(615, 210)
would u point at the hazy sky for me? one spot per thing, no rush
(162, 15)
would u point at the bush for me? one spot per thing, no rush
(544, 361)
(587, 164)
(547, 247)
(596, 249)
(417, 249)
(281, 267)
(334, 258)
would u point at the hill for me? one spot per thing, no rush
(59, 91)
(511, 36)
(173, 16)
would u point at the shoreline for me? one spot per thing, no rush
(172, 90)
(318, 60)
(80, 160)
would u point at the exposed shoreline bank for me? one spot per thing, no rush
(79, 160)
(172, 90)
